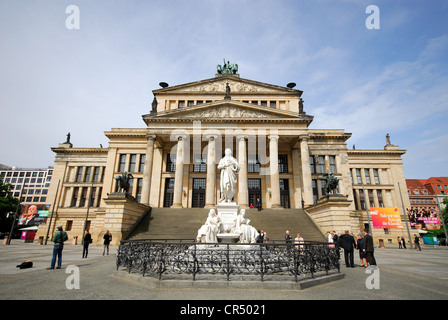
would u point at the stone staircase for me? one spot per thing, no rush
(167, 223)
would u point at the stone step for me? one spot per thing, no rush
(174, 223)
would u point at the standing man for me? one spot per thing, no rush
(288, 237)
(258, 204)
(229, 172)
(85, 243)
(417, 243)
(368, 248)
(347, 242)
(59, 238)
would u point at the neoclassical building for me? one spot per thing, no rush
(173, 158)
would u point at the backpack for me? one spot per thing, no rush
(25, 264)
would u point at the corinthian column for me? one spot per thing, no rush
(210, 191)
(275, 177)
(242, 180)
(306, 171)
(147, 172)
(179, 175)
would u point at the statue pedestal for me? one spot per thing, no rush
(228, 237)
(332, 212)
(228, 212)
(122, 212)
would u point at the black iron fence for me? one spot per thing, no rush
(164, 257)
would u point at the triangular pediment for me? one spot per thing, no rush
(218, 85)
(226, 110)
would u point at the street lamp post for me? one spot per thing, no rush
(367, 209)
(15, 216)
(87, 213)
(405, 216)
(52, 212)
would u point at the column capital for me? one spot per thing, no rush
(151, 137)
(273, 136)
(242, 137)
(179, 136)
(304, 137)
(210, 136)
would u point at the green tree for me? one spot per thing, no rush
(8, 206)
(444, 215)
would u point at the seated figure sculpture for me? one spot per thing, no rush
(248, 234)
(207, 233)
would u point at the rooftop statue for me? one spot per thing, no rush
(154, 106)
(227, 68)
(68, 138)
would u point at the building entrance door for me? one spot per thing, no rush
(254, 186)
(198, 200)
(284, 193)
(169, 192)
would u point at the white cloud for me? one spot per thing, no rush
(427, 158)
(403, 95)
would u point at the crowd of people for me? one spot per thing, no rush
(364, 245)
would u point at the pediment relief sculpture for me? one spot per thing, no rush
(227, 112)
(235, 87)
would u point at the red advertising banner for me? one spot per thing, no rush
(386, 218)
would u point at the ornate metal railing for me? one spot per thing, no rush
(164, 257)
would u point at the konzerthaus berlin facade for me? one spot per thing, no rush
(173, 158)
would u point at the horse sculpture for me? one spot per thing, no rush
(227, 68)
(331, 184)
(123, 182)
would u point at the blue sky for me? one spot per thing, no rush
(369, 82)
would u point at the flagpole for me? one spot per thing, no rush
(52, 211)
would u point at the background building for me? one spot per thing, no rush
(31, 186)
(427, 193)
(173, 161)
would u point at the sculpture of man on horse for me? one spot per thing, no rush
(332, 183)
(123, 182)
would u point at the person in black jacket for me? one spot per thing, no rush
(347, 242)
(107, 239)
(368, 248)
(85, 243)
